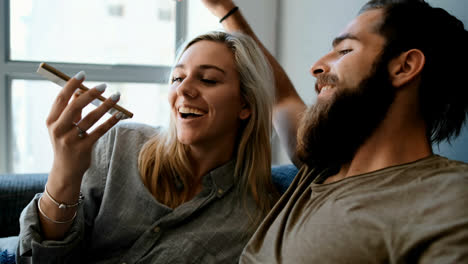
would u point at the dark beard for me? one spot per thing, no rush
(331, 132)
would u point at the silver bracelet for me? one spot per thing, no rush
(50, 219)
(62, 205)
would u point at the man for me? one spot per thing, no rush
(370, 189)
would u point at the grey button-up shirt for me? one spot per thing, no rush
(121, 222)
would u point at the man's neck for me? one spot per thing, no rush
(400, 138)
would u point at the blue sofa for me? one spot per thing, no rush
(17, 190)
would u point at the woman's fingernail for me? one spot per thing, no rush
(119, 116)
(101, 87)
(80, 76)
(115, 97)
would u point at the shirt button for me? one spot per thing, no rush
(157, 229)
(220, 191)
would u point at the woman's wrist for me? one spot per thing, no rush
(231, 12)
(64, 188)
(51, 211)
(222, 8)
(60, 204)
(53, 215)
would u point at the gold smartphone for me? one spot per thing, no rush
(60, 78)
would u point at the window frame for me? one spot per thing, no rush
(26, 70)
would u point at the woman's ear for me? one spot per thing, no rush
(245, 111)
(406, 67)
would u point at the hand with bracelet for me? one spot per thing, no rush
(72, 146)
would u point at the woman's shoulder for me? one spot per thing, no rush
(139, 130)
(127, 136)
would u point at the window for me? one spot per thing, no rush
(130, 45)
(31, 149)
(95, 32)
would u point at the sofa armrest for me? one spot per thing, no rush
(282, 176)
(16, 191)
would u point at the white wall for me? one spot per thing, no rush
(261, 14)
(306, 30)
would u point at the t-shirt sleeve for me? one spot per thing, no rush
(452, 247)
(442, 232)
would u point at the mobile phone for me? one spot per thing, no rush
(60, 78)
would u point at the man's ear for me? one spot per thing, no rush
(406, 67)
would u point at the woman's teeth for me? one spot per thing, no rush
(189, 112)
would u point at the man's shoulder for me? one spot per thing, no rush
(449, 162)
(440, 184)
(442, 168)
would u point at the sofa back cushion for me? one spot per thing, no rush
(16, 191)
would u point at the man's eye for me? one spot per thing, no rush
(345, 51)
(176, 79)
(208, 81)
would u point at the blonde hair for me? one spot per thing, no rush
(163, 161)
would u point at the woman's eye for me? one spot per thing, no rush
(208, 81)
(345, 51)
(176, 79)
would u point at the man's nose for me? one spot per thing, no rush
(321, 66)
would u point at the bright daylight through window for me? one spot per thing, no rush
(137, 37)
(88, 31)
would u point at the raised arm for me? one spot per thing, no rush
(72, 154)
(289, 106)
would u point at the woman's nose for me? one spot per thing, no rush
(187, 89)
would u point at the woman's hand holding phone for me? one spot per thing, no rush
(72, 146)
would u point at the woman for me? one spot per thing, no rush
(192, 194)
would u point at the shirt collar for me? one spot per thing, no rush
(222, 177)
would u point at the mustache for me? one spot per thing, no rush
(325, 79)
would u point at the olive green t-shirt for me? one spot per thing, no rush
(410, 213)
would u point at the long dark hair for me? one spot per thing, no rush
(443, 92)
